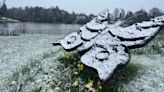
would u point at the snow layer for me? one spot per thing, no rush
(100, 41)
(106, 62)
(132, 32)
(145, 72)
(87, 34)
(95, 26)
(17, 52)
(71, 41)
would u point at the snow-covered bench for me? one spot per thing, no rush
(106, 47)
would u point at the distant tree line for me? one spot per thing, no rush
(50, 15)
(57, 15)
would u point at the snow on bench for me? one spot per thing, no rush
(106, 47)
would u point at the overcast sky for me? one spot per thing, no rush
(89, 6)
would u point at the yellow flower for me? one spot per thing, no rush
(90, 84)
(75, 84)
(91, 81)
(67, 55)
(87, 86)
(80, 67)
(92, 90)
(75, 73)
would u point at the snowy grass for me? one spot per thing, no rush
(31, 64)
(16, 53)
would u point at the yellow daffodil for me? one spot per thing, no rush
(80, 67)
(92, 90)
(90, 84)
(67, 55)
(75, 84)
(76, 73)
(91, 81)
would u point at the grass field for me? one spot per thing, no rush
(30, 64)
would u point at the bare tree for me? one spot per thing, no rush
(116, 13)
(128, 15)
(122, 14)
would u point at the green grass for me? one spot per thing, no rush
(154, 47)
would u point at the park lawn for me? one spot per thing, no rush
(29, 63)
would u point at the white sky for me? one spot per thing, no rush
(89, 6)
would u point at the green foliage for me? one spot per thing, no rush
(154, 47)
(85, 79)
